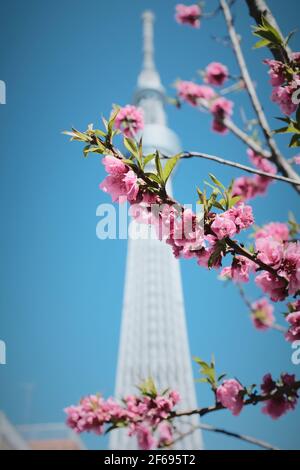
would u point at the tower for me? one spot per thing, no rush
(154, 340)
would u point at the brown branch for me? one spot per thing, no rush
(252, 400)
(259, 8)
(276, 156)
(238, 249)
(242, 437)
(236, 165)
(237, 131)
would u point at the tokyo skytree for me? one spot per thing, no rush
(153, 339)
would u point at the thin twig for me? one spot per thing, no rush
(274, 326)
(239, 166)
(276, 156)
(242, 437)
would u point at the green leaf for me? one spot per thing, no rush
(159, 167)
(148, 158)
(261, 43)
(169, 167)
(153, 177)
(131, 146)
(295, 141)
(216, 181)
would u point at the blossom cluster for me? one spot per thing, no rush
(219, 107)
(146, 417)
(278, 397)
(129, 120)
(188, 14)
(121, 182)
(285, 80)
(247, 187)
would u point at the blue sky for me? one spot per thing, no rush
(61, 287)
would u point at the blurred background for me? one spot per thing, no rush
(64, 64)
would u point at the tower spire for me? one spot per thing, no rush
(148, 46)
(149, 78)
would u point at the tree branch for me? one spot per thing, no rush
(242, 437)
(252, 400)
(276, 156)
(239, 166)
(259, 8)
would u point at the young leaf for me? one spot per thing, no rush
(131, 146)
(159, 167)
(169, 167)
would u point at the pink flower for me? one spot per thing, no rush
(270, 251)
(245, 187)
(165, 434)
(241, 268)
(130, 120)
(262, 314)
(293, 333)
(296, 160)
(230, 396)
(223, 226)
(290, 266)
(226, 273)
(242, 216)
(261, 163)
(121, 183)
(216, 74)
(281, 402)
(221, 108)
(276, 230)
(132, 188)
(282, 95)
(272, 285)
(145, 439)
(188, 14)
(276, 72)
(191, 92)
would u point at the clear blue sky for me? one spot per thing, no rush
(64, 64)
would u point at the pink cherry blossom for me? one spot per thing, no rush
(280, 403)
(242, 216)
(130, 120)
(114, 166)
(165, 432)
(229, 395)
(132, 188)
(270, 251)
(272, 285)
(276, 72)
(290, 266)
(293, 333)
(216, 74)
(188, 14)
(241, 268)
(223, 226)
(282, 95)
(276, 230)
(262, 314)
(221, 108)
(145, 439)
(191, 92)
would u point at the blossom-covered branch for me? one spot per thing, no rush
(276, 156)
